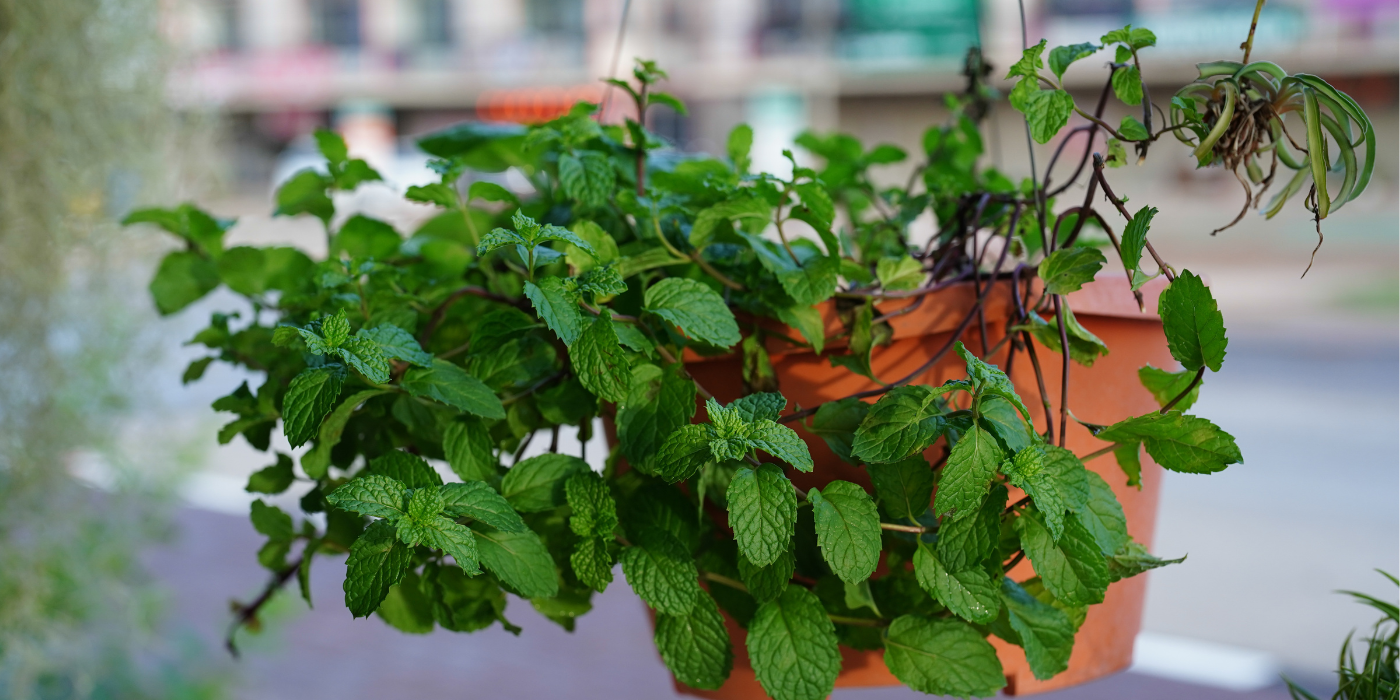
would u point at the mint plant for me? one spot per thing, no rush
(506, 316)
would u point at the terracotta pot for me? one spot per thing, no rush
(1104, 394)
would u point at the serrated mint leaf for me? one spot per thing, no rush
(1046, 633)
(1132, 559)
(942, 657)
(467, 446)
(684, 452)
(594, 511)
(398, 344)
(592, 563)
(463, 604)
(836, 423)
(1132, 129)
(1084, 347)
(988, 378)
(499, 238)
(1129, 457)
(792, 647)
(424, 504)
(766, 583)
(781, 442)
(447, 383)
(377, 561)
(968, 474)
(966, 543)
(604, 247)
(557, 304)
(183, 278)
(1166, 386)
(1178, 442)
(318, 461)
(1102, 515)
(808, 321)
(695, 308)
(662, 573)
(899, 274)
(905, 488)
(1030, 62)
(903, 423)
(309, 398)
(271, 522)
(274, 479)
(721, 217)
(407, 469)
(969, 593)
(1127, 85)
(374, 495)
(762, 512)
(862, 341)
(1054, 479)
(435, 531)
(519, 559)
(696, 646)
(760, 407)
(813, 282)
(478, 501)
(1135, 237)
(1072, 568)
(660, 402)
(818, 203)
(848, 529)
(366, 358)
(1000, 418)
(599, 362)
(1062, 56)
(1048, 111)
(1194, 327)
(538, 483)
(1068, 269)
(405, 608)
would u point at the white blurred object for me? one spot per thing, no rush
(1204, 663)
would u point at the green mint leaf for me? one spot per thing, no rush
(594, 511)
(1000, 418)
(478, 501)
(738, 145)
(1166, 386)
(604, 247)
(592, 563)
(499, 238)
(463, 604)
(718, 220)
(1029, 64)
(454, 539)
(848, 529)
(760, 407)
(1117, 157)
(1132, 129)
(271, 522)
(695, 308)
(1072, 568)
(836, 423)
(858, 595)
(661, 402)
(557, 304)
(450, 384)
(1044, 632)
(398, 344)
(1135, 237)
(1084, 347)
(305, 193)
(821, 211)
(183, 278)
(550, 232)
(684, 452)
(274, 479)
(366, 358)
(405, 608)
(696, 646)
(1194, 327)
(1178, 442)
(1129, 457)
(373, 495)
(813, 282)
(968, 474)
(466, 443)
(792, 647)
(767, 583)
(905, 488)
(725, 422)
(1048, 111)
(781, 442)
(407, 469)
(424, 505)
(762, 511)
(332, 146)
(808, 321)
(966, 543)
(378, 561)
(604, 281)
(1103, 517)
(309, 398)
(1062, 56)
(1127, 85)
(519, 559)
(1132, 559)
(1068, 269)
(942, 657)
(438, 193)
(364, 238)
(861, 343)
(987, 378)
(317, 462)
(273, 555)
(599, 362)
(904, 422)
(662, 573)
(188, 222)
(969, 593)
(1054, 479)
(897, 274)
(539, 483)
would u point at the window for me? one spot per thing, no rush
(337, 22)
(434, 23)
